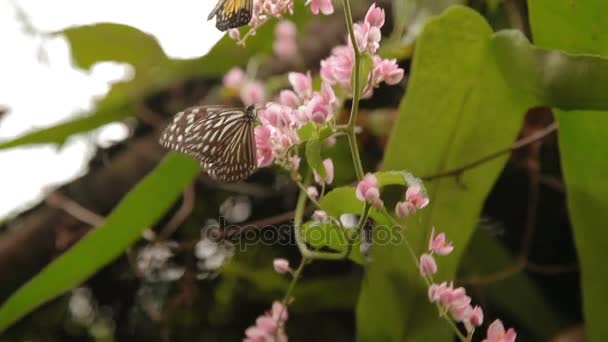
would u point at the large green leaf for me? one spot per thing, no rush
(581, 27)
(141, 208)
(466, 98)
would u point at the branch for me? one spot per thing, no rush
(539, 135)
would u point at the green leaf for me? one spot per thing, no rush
(103, 244)
(580, 27)
(313, 156)
(465, 80)
(307, 131)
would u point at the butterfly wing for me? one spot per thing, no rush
(220, 138)
(231, 13)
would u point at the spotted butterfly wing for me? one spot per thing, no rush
(220, 138)
(231, 13)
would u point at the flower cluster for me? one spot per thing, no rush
(281, 121)
(337, 68)
(454, 300)
(269, 326)
(250, 91)
(263, 10)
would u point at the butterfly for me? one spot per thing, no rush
(220, 138)
(231, 13)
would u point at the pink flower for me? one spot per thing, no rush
(415, 197)
(329, 173)
(252, 93)
(386, 70)
(337, 68)
(289, 98)
(269, 326)
(427, 265)
(327, 94)
(438, 244)
(234, 78)
(496, 333)
(375, 16)
(301, 83)
(312, 192)
(285, 29)
(324, 6)
(318, 111)
(414, 200)
(276, 115)
(368, 190)
(263, 145)
(319, 216)
(281, 266)
(368, 37)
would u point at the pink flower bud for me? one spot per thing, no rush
(319, 216)
(368, 190)
(375, 16)
(428, 265)
(329, 173)
(234, 78)
(281, 266)
(312, 192)
(234, 34)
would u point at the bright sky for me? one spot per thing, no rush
(41, 93)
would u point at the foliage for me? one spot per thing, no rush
(466, 98)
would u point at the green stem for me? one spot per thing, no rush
(296, 276)
(310, 198)
(297, 224)
(354, 151)
(360, 226)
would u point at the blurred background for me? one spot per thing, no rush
(81, 105)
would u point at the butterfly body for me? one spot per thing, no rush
(220, 138)
(231, 13)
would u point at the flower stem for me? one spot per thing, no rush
(296, 276)
(354, 151)
(356, 80)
